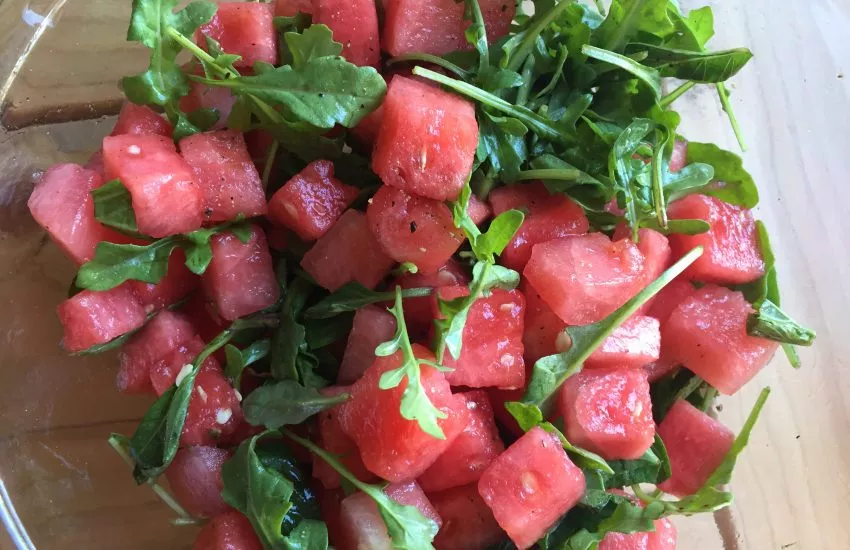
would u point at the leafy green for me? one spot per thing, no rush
(647, 75)
(653, 467)
(354, 296)
(695, 66)
(239, 359)
(313, 42)
(737, 185)
(290, 354)
(113, 207)
(774, 324)
(286, 403)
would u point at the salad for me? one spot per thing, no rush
(422, 274)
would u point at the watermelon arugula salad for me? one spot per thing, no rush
(422, 274)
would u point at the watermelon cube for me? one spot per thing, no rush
(492, 352)
(312, 201)
(95, 163)
(166, 199)
(214, 411)
(330, 502)
(93, 318)
(165, 370)
(245, 29)
(438, 27)
(207, 322)
(391, 446)
(140, 120)
(541, 328)
(366, 131)
(288, 8)
(679, 159)
(362, 525)
(226, 175)
(732, 252)
(478, 210)
(475, 448)
(162, 335)
(468, 524)
(547, 217)
(636, 343)
(623, 541)
(413, 229)
(696, 444)
(240, 279)
(201, 96)
(372, 326)
(609, 412)
(708, 334)
(348, 252)
(195, 479)
(585, 278)
(228, 531)
(176, 285)
(419, 312)
(669, 298)
(334, 440)
(354, 24)
(530, 486)
(664, 537)
(498, 398)
(657, 256)
(427, 140)
(62, 204)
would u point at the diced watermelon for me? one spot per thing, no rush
(312, 201)
(208, 323)
(177, 284)
(330, 502)
(413, 229)
(348, 252)
(226, 174)
(664, 537)
(669, 298)
(62, 204)
(372, 326)
(391, 446)
(165, 370)
(214, 410)
(474, 449)
(195, 479)
(140, 120)
(201, 96)
(468, 524)
(92, 318)
(166, 200)
(418, 312)
(95, 163)
(547, 217)
(259, 144)
(240, 279)
(334, 440)
(288, 8)
(530, 486)
(657, 256)
(366, 131)
(636, 343)
(427, 140)
(679, 159)
(708, 334)
(541, 328)
(354, 24)
(438, 27)
(622, 541)
(585, 278)
(732, 252)
(362, 525)
(478, 210)
(609, 412)
(245, 29)
(696, 445)
(492, 340)
(162, 335)
(228, 531)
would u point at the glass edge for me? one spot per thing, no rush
(13, 523)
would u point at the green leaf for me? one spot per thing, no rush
(737, 185)
(114, 264)
(354, 296)
(626, 19)
(647, 75)
(113, 207)
(239, 359)
(197, 247)
(653, 467)
(693, 31)
(286, 403)
(623, 168)
(502, 229)
(313, 43)
(693, 178)
(774, 324)
(502, 142)
(696, 66)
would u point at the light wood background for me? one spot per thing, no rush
(793, 102)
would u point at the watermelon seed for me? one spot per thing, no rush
(202, 394)
(223, 416)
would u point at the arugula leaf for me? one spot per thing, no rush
(623, 168)
(653, 467)
(648, 75)
(313, 43)
(354, 296)
(291, 357)
(774, 324)
(628, 18)
(695, 66)
(239, 359)
(737, 185)
(693, 31)
(502, 142)
(286, 403)
(113, 207)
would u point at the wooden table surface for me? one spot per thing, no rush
(793, 483)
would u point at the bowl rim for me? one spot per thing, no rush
(13, 523)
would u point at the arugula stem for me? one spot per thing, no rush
(481, 35)
(199, 52)
(433, 60)
(560, 174)
(527, 81)
(723, 92)
(526, 46)
(668, 99)
(474, 293)
(270, 158)
(327, 457)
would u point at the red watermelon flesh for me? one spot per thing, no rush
(354, 24)
(427, 140)
(366, 131)
(547, 217)
(498, 398)
(288, 8)
(669, 298)
(530, 486)
(656, 251)
(195, 479)
(696, 445)
(176, 285)
(391, 446)
(418, 312)
(330, 502)
(201, 96)
(468, 524)
(664, 537)
(312, 201)
(478, 210)
(438, 27)
(226, 175)
(240, 279)
(140, 120)
(373, 325)
(348, 252)
(732, 252)
(541, 328)
(93, 318)
(334, 440)
(609, 412)
(707, 333)
(659, 369)
(206, 321)
(164, 371)
(474, 449)
(228, 531)
(679, 158)
(636, 343)
(585, 278)
(492, 351)
(245, 29)
(622, 541)
(166, 199)
(214, 410)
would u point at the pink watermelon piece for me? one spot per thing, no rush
(228, 531)
(214, 411)
(288, 8)
(657, 255)
(226, 175)
(478, 210)
(636, 343)
(696, 445)
(334, 440)
(201, 96)
(547, 217)
(312, 201)
(366, 132)
(470, 453)
(354, 24)
(679, 158)
(195, 479)
(140, 120)
(348, 252)
(530, 486)
(541, 328)
(372, 326)
(707, 333)
(498, 398)
(669, 298)
(468, 524)
(622, 541)
(176, 285)
(732, 252)
(165, 370)
(93, 318)
(245, 29)
(427, 140)
(419, 312)
(664, 537)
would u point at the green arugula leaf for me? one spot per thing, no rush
(695, 66)
(291, 358)
(313, 43)
(286, 403)
(354, 296)
(502, 142)
(239, 359)
(623, 168)
(491, 243)
(627, 19)
(679, 384)
(113, 207)
(653, 467)
(774, 324)
(693, 31)
(737, 185)
(648, 75)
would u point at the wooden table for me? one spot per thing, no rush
(792, 484)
